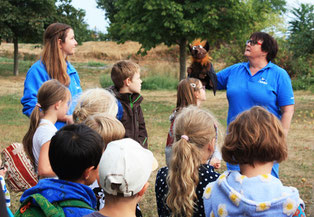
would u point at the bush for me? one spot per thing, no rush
(105, 81)
(149, 83)
(159, 83)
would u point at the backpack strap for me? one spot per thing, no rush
(46, 207)
(74, 203)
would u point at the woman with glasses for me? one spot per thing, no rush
(258, 82)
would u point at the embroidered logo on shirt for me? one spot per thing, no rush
(262, 81)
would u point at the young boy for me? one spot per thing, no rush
(127, 87)
(124, 170)
(74, 153)
(255, 141)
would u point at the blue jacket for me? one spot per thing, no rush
(55, 190)
(234, 194)
(36, 76)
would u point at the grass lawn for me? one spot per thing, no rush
(297, 171)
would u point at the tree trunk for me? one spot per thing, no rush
(182, 46)
(16, 60)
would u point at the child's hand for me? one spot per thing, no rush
(67, 119)
(216, 163)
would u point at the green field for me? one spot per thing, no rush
(297, 171)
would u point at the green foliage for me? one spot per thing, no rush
(68, 14)
(301, 38)
(25, 19)
(159, 83)
(178, 22)
(105, 81)
(149, 83)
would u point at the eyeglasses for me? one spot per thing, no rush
(253, 42)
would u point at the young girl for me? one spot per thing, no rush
(95, 101)
(179, 188)
(255, 141)
(52, 104)
(190, 92)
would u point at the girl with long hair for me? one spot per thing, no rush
(52, 104)
(179, 187)
(190, 92)
(59, 43)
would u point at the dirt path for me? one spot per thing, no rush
(12, 85)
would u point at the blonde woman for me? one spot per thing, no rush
(179, 188)
(59, 43)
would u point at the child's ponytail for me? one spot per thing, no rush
(28, 138)
(183, 177)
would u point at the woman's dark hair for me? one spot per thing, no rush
(73, 149)
(269, 44)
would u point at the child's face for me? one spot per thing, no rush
(135, 83)
(200, 94)
(64, 107)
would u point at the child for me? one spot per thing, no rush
(179, 188)
(190, 92)
(4, 190)
(124, 170)
(255, 141)
(110, 129)
(74, 154)
(95, 101)
(127, 87)
(52, 104)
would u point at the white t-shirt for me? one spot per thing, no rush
(44, 132)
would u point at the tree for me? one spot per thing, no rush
(151, 22)
(24, 19)
(68, 14)
(302, 31)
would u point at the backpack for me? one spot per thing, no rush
(42, 207)
(21, 173)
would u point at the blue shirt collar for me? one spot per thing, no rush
(247, 67)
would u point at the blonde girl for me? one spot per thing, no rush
(59, 43)
(95, 101)
(190, 92)
(52, 104)
(179, 188)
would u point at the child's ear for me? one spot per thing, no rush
(86, 172)
(142, 192)
(57, 105)
(126, 82)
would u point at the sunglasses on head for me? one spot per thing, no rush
(253, 42)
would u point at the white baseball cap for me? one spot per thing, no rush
(125, 167)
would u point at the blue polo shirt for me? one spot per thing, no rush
(270, 87)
